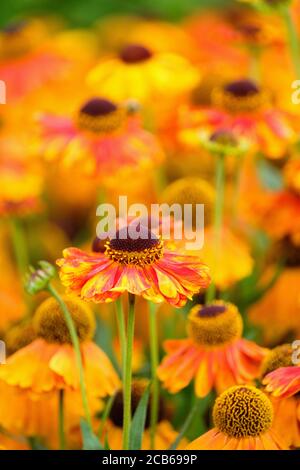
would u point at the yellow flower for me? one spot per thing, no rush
(139, 73)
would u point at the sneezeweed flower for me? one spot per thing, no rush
(36, 415)
(234, 260)
(286, 421)
(224, 142)
(214, 354)
(243, 418)
(12, 443)
(19, 335)
(283, 382)
(26, 60)
(20, 187)
(102, 137)
(276, 307)
(48, 363)
(278, 212)
(31, 414)
(284, 385)
(141, 266)
(165, 433)
(247, 110)
(216, 40)
(140, 73)
(190, 190)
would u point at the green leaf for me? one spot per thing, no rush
(90, 441)
(138, 422)
(269, 175)
(35, 443)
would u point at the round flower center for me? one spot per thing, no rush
(191, 191)
(134, 53)
(139, 248)
(214, 325)
(19, 336)
(281, 356)
(100, 115)
(288, 251)
(243, 411)
(137, 390)
(15, 40)
(242, 88)
(240, 96)
(50, 324)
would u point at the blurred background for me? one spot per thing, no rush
(84, 13)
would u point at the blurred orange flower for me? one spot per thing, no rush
(103, 138)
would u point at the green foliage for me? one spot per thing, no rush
(79, 13)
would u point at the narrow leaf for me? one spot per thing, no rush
(138, 421)
(90, 441)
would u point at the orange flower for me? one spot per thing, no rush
(243, 417)
(233, 263)
(279, 213)
(48, 363)
(165, 433)
(103, 138)
(247, 110)
(12, 443)
(284, 385)
(25, 61)
(137, 72)
(20, 187)
(280, 305)
(283, 382)
(30, 414)
(286, 421)
(142, 266)
(214, 354)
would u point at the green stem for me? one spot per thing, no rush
(186, 425)
(61, 420)
(293, 38)
(106, 413)
(76, 345)
(122, 331)
(20, 245)
(255, 72)
(236, 188)
(154, 354)
(128, 374)
(218, 217)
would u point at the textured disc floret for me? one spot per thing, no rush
(100, 115)
(142, 248)
(240, 96)
(135, 53)
(281, 356)
(49, 321)
(243, 411)
(214, 324)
